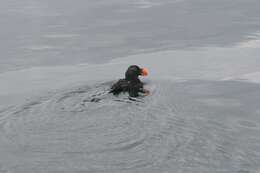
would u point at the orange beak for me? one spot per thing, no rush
(144, 72)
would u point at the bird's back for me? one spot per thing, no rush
(123, 85)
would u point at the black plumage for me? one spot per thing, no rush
(131, 83)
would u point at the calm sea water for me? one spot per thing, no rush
(61, 32)
(59, 58)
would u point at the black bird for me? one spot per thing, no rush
(131, 84)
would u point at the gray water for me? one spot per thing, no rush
(59, 32)
(59, 59)
(195, 126)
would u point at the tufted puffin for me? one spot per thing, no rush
(131, 83)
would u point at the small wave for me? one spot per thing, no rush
(174, 126)
(57, 36)
(41, 48)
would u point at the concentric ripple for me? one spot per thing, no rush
(86, 129)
